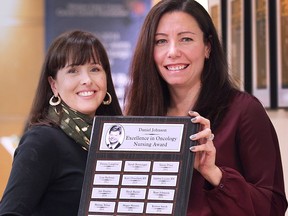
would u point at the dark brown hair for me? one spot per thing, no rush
(80, 47)
(147, 93)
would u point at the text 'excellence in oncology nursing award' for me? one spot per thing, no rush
(138, 166)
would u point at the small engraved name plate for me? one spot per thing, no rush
(163, 180)
(136, 180)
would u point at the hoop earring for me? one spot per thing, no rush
(54, 103)
(107, 102)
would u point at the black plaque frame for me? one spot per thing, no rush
(184, 173)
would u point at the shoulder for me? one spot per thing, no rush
(248, 108)
(42, 139)
(43, 133)
(245, 98)
(42, 130)
(244, 101)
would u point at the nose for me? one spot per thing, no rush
(173, 50)
(86, 78)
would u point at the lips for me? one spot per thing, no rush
(176, 67)
(86, 93)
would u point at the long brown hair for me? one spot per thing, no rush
(147, 93)
(81, 47)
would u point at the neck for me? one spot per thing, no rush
(182, 100)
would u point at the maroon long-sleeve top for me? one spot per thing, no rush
(249, 156)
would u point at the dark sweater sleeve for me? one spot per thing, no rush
(32, 169)
(258, 187)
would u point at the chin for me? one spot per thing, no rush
(175, 83)
(88, 109)
(88, 112)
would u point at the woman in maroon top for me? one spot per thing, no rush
(180, 56)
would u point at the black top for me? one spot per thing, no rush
(46, 176)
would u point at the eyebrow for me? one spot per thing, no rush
(181, 33)
(187, 32)
(73, 65)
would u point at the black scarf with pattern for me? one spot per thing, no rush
(75, 124)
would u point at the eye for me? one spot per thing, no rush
(160, 41)
(94, 69)
(72, 70)
(186, 39)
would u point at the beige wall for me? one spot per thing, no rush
(21, 51)
(21, 55)
(5, 167)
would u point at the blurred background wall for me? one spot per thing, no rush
(21, 54)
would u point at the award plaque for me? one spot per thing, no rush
(282, 52)
(215, 9)
(235, 39)
(260, 50)
(138, 166)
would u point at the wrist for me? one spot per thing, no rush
(214, 176)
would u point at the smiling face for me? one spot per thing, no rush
(179, 50)
(114, 137)
(81, 87)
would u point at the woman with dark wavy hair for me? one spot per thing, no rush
(49, 164)
(179, 69)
